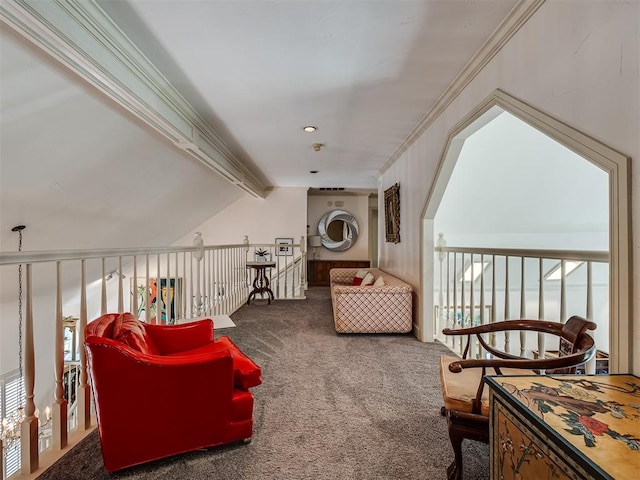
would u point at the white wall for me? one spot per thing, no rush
(576, 61)
(512, 186)
(283, 213)
(358, 206)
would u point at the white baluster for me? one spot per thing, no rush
(440, 321)
(177, 294)
(207, 271)
(507, 309)
(589, 291)
(167, 295)
(523, 309)
(472, 309)
(147, 292)
(158, 317)
(29, 427)
(84, 392)
(563, 292)
(447, 314)
(462, 304)
(454, 317)
(184, 285)
(303, 263)
(198, 255)
(590, 367)
(120, 287)
(134, 288)
(103, 289)
(59, 410)
(482, 306)
(541, 337)
(492, 336)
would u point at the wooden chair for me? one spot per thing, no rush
(466, 403)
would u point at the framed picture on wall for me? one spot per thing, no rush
(392, 213)
(167, 295)
(281, 247)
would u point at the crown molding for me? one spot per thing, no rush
(79, 34)
(518, 16)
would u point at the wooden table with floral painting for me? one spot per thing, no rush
(565, 427)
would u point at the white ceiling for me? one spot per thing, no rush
(363, 72)
(82, 172)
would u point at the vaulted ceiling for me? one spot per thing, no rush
(86, 172)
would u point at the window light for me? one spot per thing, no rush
(556, 272)
(478, 268)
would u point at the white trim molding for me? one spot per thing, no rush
(507, 29)
(80, 35)
(614, 163)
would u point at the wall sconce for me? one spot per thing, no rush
(115, 273)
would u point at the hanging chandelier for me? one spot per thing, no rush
(11, 425)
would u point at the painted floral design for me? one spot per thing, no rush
(576, 405)
(594, 426)
(513, 461)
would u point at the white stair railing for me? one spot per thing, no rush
(463, 291)
(159, 285)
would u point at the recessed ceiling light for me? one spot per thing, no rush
(310, 128)
(313, 171)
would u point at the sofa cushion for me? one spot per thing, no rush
(358, 277)
(367, 280)
(130, 331)
(246, 373)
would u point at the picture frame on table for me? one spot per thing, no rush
(281, 249)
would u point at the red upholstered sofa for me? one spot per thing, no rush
(162, 390)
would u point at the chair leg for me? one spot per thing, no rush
(464, 425)
(454, 472)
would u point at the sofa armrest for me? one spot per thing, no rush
(178, 338)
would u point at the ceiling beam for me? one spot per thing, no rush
(79, 34)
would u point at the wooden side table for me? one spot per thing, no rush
(564, 426)
(261, 281)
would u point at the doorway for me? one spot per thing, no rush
(616, 168)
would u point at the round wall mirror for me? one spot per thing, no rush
(338, 230)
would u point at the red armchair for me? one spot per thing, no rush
(162, 390)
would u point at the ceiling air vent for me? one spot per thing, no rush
(331, 189)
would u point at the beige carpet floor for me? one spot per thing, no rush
(343, 407)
